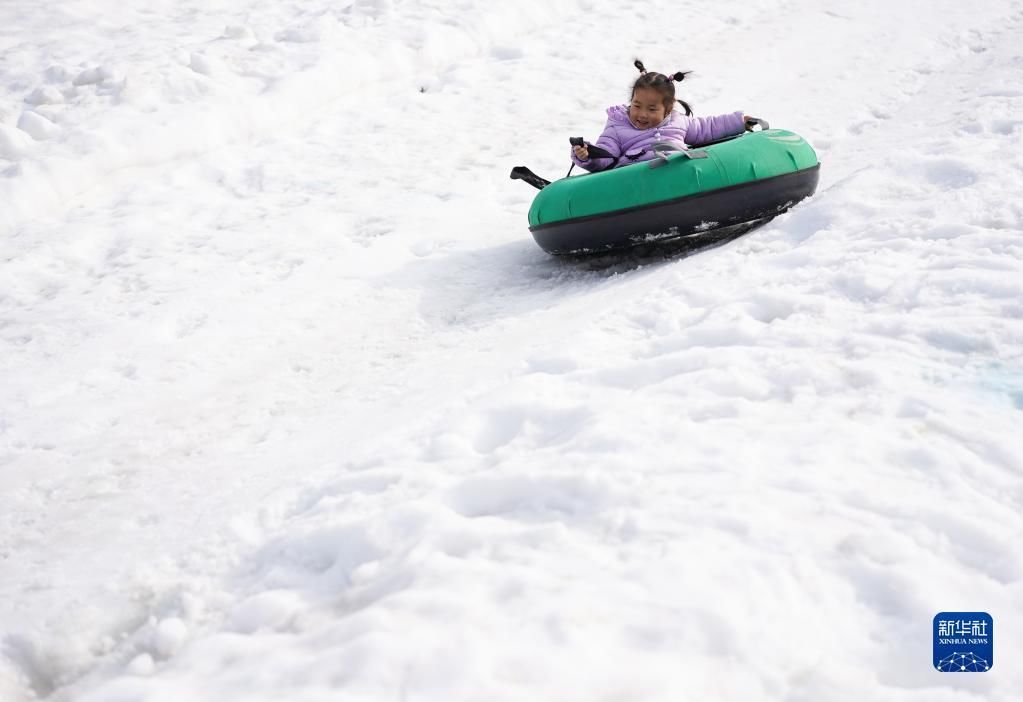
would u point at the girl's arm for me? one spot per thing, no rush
(608, 141)
(705, 129)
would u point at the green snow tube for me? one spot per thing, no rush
(679, 194)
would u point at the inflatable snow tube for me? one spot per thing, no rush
(682, 194)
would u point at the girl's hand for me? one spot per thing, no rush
(581, 153)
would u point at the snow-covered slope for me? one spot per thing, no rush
(291, 406)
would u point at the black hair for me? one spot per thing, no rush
(663, 84)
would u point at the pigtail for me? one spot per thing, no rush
(639, 66)
(678, 77)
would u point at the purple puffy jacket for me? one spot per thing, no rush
(621, 138)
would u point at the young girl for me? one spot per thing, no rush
(633, 129)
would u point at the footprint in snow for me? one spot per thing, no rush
(530, 497)
(1006, 127)
(950, 173)
(37, 126)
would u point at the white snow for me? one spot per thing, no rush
(293, 408)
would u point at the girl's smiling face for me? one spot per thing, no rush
(647, 108)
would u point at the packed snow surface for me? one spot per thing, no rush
(293, 408)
